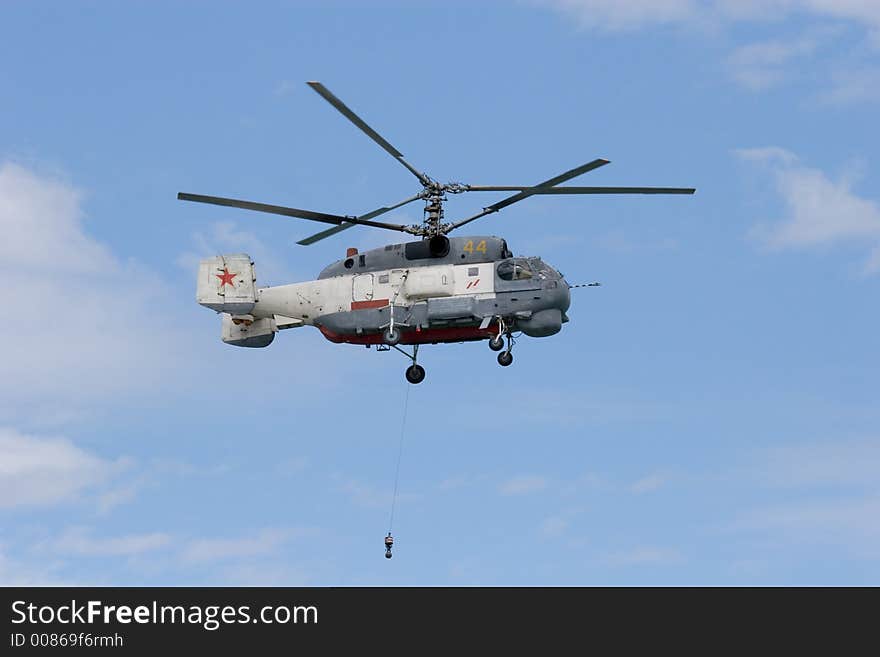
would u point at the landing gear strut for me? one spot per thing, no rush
(391, 335)
(415, 373)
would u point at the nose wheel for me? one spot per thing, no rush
(391, 336)
(505, 358)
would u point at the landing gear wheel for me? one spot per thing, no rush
(415, 374)
(505, 358)
(496, 343)
(391, 336)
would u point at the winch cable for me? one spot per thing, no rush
(399, 457)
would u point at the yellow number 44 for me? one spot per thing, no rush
(469, 247)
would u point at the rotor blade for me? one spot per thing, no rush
(389, 208)
(574, 173)
(584, 190)
(262, 207)
(550, 182)
(372, 134)
(497, 188)
(311, 239)
(617, 190)
(285, 211)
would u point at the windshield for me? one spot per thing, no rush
(515, 269)
(543, 269)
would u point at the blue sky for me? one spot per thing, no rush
(709, 416)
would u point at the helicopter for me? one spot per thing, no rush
(437, 289)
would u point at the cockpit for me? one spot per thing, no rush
(519, 269)
(514, 269)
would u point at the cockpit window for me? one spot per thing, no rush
(543, 269)
(515, 269)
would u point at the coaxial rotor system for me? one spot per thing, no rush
(433, 193)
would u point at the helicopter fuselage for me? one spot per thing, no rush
(471, 290)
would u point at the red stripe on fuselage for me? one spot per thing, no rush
(366, 305)
(425, 336)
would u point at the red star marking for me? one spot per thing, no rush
(226, 278)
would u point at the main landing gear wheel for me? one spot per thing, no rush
(391, 336)
(505, 358)
(415, 373)
(496, 343)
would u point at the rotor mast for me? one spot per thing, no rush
(432, 224)
(434, 211)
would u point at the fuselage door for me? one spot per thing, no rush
(362, 288)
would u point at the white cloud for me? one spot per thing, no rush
(644, 556)
(292, 466)
(762, 65)
(44, 471)
(271, 573)
(109, 500)
(558, 524)
(768, 154)
(15, 572)
(263, 543)
(649, 484)
(866, 12)
(369, 496)
(853, 85)
(523, 485)
(554, 526)
(872, 265)
(819, 210)
(561, 407)
(850, 464)
(847, 523)
(254, 559)
(78, 542)
(366, 495)
(837, 501)
(615, 15)
(226, 237)
(82, 324)
(41, 221)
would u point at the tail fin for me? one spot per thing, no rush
(227, 284)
